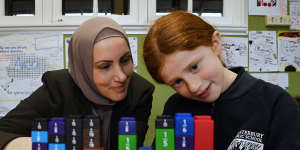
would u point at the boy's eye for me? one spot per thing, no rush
(177, 82)
(194, 67)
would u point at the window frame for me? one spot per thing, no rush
(233, 22)
(59, 19)
(49, 19)
(22, 20)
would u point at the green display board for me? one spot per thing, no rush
(258, 23)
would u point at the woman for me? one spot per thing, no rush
(183, 51)
(100, 81)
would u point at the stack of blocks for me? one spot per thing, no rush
(56, 131)
(127, 134)
(39, 134)
(191, 133)
(74, 133)
(164, 133)
(92, 133)
(184, 131)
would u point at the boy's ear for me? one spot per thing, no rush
(217, 43)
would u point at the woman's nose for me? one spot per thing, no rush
(119, 74)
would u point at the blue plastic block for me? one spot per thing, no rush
(39, 136)
(145, 148)
(184, 124)
(53, 146)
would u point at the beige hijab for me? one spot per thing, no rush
(81, 54)
(81, 66)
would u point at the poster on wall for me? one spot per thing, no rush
(133, 43)
(268, 7)
(280, 79)
(24, 57)
(295, 14)
(235, 51)
(67, 43)
(289, 50)
(262, 51)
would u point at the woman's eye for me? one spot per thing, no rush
(104, 67)
(125, 60)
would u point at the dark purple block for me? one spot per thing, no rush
(56, 127)
(39, 146)
(127, 119)
(184, 142)
(127, 125)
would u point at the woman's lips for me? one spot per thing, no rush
(119, 88)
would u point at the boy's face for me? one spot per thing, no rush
(197, 74)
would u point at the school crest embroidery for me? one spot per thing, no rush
(247, 140)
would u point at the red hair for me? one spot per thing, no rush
(178, 30)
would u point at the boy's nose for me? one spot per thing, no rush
(194, 85)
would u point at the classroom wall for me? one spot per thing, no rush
(162, 92)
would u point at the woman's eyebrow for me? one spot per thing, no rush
(127, 54)
(103, 61)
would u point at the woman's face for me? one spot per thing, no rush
(112, 67)
(196, 74)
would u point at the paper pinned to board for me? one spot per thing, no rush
(262, 51)
(24, 57)
(67, 43)
(133, 42)
(280, 79)
(268, 7)
(289, 50)
(295, 15)
(235, 51)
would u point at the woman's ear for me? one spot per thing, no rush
(217, 43)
